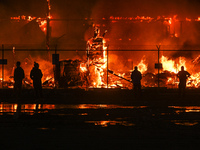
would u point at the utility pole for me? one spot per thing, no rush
(159, 65)
(2, 66)
(48, 28)
(107, 67)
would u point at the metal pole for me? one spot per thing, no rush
(48, 32)
(2, 65)
(158, 47)
(107, 67)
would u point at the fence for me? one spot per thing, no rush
(159, 67)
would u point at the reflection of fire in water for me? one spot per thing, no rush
(26, 108)
(106, 123)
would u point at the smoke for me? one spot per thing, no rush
(143, 35)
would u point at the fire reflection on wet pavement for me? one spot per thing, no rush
(104, 115)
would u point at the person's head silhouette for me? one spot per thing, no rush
(18, 64)
(136, 68)
(36, 65)
(182, 68)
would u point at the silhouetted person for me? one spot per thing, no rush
(18, 77)
(36, 76)
(182, 75)
(136, 77)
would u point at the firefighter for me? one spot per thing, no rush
(18, 77)
(36, 76)
(182, 75)
(136, 77)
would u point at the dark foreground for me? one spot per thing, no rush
(100, 119)
(150, 96)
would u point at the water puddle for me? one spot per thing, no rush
(106, 123)
(10, 108)
(187, 109)
(95, 106)
(185, 122)
(105, 115)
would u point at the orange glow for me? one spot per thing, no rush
(28, 108)
(42, 22)
(142, 67)
(106, 123)
(198, 19)
(171, 65)
(187, 19)
(170, 21)
(97, 60)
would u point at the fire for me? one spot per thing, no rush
(97, 59)
(170, 21)
(83, 67)
(42, 22)
(198, 19)
(142, 67)
(171, 66)
(187, 19)
(194, 80)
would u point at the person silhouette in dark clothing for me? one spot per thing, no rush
(36, 76)
(182, 75)
(18, 77)
(136, 77)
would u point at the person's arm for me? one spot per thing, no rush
(23, 75)
(31, 74)
(41, 74)
(14, 75)
(188, 74)
(140, 76)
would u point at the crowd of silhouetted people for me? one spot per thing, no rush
(136, 77)
(35, 75)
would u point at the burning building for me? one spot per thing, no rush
(134, 30)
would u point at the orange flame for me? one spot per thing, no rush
(170, 65)
(142, 67)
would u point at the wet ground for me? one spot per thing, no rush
(63, 126)
(107, 120)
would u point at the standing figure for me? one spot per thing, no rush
(136, 77)
(36, 76)
(18, 77)
(182, 75)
